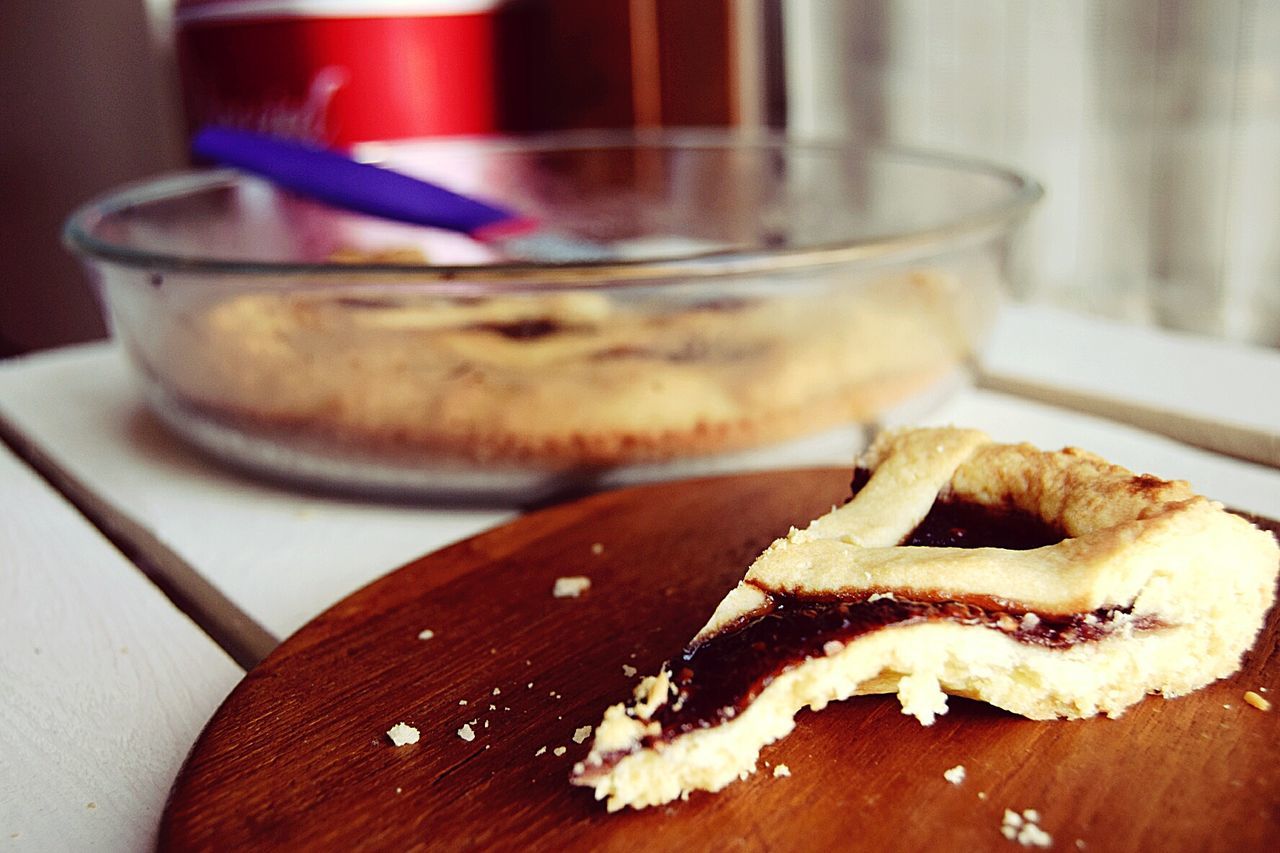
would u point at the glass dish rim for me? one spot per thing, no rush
(1023, 193)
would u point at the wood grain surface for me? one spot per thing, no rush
(298, 758)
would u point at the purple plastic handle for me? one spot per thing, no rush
(338, 180)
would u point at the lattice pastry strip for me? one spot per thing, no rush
(1048, 584)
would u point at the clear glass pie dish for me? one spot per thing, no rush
(755, 292)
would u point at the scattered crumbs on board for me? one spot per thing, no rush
(1025, 828)
(1257, 701)
(403, 733)
(571, 587)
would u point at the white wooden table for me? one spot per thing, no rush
(105, 681)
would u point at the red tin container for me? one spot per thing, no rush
(339, 71)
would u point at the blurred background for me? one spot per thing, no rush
(1154, 124)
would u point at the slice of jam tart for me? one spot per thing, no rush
(1053, 585)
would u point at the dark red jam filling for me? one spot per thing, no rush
(718, 678)
(522, 330)
(366, 302)
(861, 476)
(958, 524)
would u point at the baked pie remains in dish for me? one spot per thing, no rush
(563, 379)
(1050, 584)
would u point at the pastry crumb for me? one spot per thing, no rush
(571, 587)
(1257, 701)
(597, 548)
(398, 790)
(90, 805)
(582, 733)
(1032, 835)
(560, 750)
(426, 634)
(1226, 705)
(955, 775)
(629, 671)
(403, 733)
(1025, 828)
(982, 795)
(781, 770)
(466, 733)
(497, 692)
(541, 751)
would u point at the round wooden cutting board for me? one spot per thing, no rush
(298, 758)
